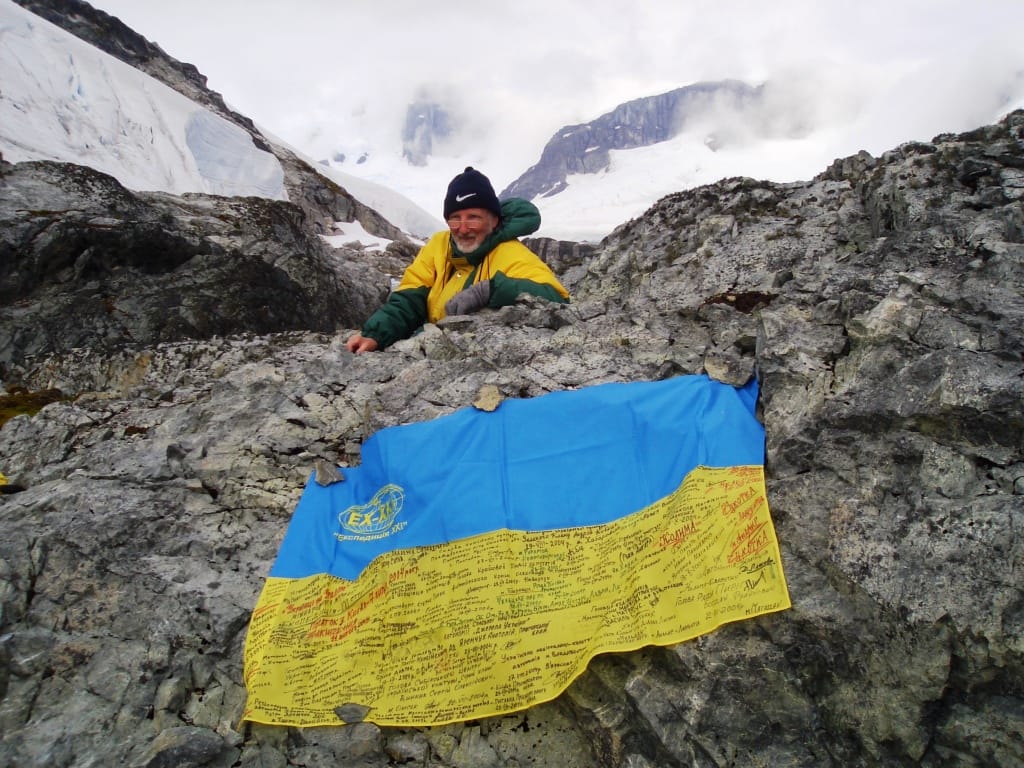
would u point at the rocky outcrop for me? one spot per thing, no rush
(325, 203)
(585, 148)
(86, 263)
(565, 257)
(880, 304)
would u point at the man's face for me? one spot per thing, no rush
(470, 226)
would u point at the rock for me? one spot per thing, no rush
(90, 264)
(473, 751)
(488, 398)
(181, 747)
(352, 713)
(880, 306)
(326, 473)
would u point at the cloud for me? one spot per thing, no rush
(322, 74)
(281, 61)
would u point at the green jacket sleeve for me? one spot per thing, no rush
(403, 312)
(505, 289)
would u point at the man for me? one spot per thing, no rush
(478, 262)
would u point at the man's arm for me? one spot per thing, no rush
(403, 312)
(406, 308)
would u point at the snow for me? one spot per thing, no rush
(353, 232)
(227, 160)
(64, 100)
(594, 204)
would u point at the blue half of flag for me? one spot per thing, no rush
(566, 459)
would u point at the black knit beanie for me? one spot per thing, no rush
(471, 189)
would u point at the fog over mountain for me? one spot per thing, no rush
(337, 80)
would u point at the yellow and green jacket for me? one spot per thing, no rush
(439, 271)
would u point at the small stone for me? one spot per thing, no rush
(182, 747)
(327, 473)
(488, 398)
(351, 713)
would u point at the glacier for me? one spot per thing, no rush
(64, 100)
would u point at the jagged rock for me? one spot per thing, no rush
(182, 747)
(327, 474)
(86, 263)
(880, 304)
(566, 258)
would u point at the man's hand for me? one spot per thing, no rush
(469, 300)
(358, 343)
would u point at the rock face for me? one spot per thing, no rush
(639, 123)
(881, 306)
(86, 263)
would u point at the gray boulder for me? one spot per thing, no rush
(86, 263)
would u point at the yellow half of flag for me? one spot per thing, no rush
(503, 620)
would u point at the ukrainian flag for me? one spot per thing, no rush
(473, 565)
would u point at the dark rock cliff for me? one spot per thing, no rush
(86, 263)
(425, 123)
(880, 304)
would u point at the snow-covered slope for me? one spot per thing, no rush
(395, 207)
(594, 204)
(62, 99)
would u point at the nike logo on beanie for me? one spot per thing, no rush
(471, 189)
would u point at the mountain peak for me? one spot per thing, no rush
(425, 123)
(585, 148)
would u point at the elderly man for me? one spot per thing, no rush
(478, 262)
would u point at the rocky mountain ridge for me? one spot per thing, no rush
(86, 263)
(585, 148)
(879, 304)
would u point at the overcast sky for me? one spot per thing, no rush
(292, 65)
(327, 75)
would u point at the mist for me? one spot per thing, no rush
(331, 78)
